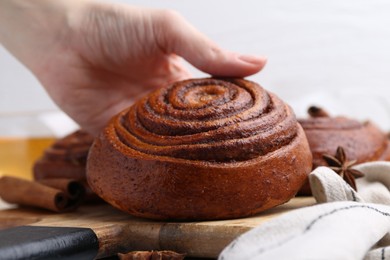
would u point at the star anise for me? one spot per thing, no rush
(343, 167)
(151, 255)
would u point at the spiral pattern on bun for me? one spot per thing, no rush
(188, 144)
(208, 120)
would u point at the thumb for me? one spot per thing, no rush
(175, 35)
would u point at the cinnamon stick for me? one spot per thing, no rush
(72, 188)
(30, 193)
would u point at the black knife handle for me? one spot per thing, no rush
(36, 242)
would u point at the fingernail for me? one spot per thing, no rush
(253, 59)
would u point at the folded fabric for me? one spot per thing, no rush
(346, 225)
(327, 186)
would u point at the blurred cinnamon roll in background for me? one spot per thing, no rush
(66, 158)
(361, 141)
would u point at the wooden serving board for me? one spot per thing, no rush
(105, 231)
(97, 231)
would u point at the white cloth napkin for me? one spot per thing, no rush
(345, 225)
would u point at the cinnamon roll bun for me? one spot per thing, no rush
(201, 149)
(361, 141)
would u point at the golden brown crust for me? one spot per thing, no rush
(201, 149)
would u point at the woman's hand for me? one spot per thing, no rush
(95, 58)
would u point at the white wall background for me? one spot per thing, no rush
(331, 53)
